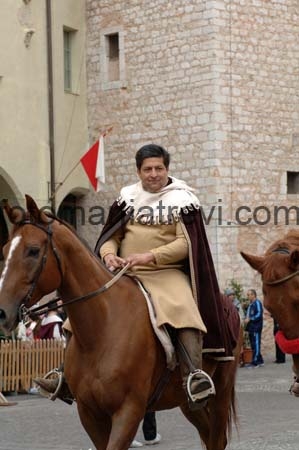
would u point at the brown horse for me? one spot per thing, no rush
(279, 268)
(113, 362)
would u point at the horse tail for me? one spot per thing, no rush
(232, 415)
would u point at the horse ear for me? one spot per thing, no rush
(294, 260)
(15, 214)
(256, 262)
(37, 214)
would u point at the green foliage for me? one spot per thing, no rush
(238, 289)
(239, 293)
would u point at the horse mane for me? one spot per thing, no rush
(288, 242)
(72, 229)
(75, 233)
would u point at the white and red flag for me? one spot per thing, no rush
(93, 162)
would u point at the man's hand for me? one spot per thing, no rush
(140, 259)
(246, 320)
(114, 262)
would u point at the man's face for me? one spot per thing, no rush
(153, 174)
(250, 296)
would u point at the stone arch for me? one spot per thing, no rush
(3, 234)
(69, 210)
(9, 188)
(9, 191)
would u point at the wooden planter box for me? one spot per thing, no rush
(246, 356)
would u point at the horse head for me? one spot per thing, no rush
(27, 254)
(279, 268)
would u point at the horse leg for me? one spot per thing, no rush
(97, 426)
(294, 388)
(125, 422)
(200, 419)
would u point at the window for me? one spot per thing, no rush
(293, 182)
(67, 49)
(112, 45)
(112, 58)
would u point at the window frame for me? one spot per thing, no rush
(107, 83)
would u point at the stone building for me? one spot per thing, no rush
(216, 83)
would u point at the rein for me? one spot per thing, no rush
(282, 280)
(283, 251)
(52, 304)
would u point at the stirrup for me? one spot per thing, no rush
(59, 375)
(203, 394)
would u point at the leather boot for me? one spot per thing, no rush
(198, 384)
(56, 387)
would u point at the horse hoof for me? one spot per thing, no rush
(295, 389)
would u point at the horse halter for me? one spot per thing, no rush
(23, 311)
(282, 251)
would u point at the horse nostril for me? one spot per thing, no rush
(2, 315)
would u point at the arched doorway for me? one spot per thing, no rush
(68, 210)
(3, 234)
(7, 192)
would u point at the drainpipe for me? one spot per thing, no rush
(50, 104)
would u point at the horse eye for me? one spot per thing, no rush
(33, 252)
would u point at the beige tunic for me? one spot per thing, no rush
(169, 287)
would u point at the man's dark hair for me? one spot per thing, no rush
(152, 151)
(253, 291)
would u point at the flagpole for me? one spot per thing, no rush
(104, 134)
(107, 131)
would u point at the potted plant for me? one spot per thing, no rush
(246, 350)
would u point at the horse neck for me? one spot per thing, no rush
(83, 274)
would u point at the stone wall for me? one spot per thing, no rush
(169, 92)
(216, 83)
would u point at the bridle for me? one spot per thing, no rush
(49, 243)
(283, 251)
(24, 310)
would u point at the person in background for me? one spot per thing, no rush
(51, 326)
(149, 429)
(280, 356)
(21, 331)
(230, 293)
(254, 325)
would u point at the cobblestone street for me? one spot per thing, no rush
(268, 419)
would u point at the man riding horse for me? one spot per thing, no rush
(155, 226)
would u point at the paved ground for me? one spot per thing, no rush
(268, 418)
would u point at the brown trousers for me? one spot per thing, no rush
(189, 350)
